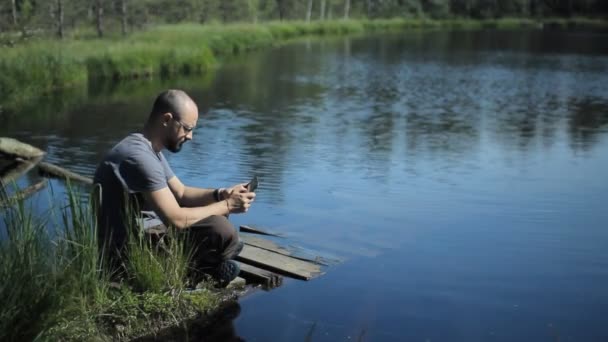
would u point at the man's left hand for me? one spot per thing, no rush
(238, 188)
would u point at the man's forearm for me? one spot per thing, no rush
(197, 197)
(189, 216)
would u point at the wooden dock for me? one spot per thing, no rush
(266, 262)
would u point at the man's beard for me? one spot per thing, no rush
(175, 146)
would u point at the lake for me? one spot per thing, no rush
(459, 177)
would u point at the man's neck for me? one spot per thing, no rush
(150, 134)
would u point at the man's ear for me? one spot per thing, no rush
(166, 117)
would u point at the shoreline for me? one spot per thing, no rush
(42, 65)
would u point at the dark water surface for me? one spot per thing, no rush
(461, 176)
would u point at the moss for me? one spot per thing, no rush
(130, 314)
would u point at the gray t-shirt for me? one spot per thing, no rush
(130, 168)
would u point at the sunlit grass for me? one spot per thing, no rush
(58, 288)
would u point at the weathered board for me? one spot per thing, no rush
(289, 251)
(253, 230)
(263, 243)
(259, 276)
(279, 263)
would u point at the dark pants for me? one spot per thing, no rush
(213, 240)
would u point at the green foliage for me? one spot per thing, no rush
(29, 288)
(56, 288)
(33, 68)
(36, 17)
(130, 314)
(157, 267)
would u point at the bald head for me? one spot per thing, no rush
(173, 101)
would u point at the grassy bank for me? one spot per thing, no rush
(35, 67)
(57, 287)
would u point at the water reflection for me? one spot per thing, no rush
(219, 329)
(439, 90)
(588, 120)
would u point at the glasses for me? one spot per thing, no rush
(186, 128)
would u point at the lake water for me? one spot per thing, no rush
(460, 177)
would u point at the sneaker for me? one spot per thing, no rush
(225, 272)
(239, 248)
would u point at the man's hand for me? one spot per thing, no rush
(225, 193)
(239, 202)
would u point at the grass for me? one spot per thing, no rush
(38, 66)
(57, 287)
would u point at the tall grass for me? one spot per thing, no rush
(57, 288)
(157, 267)
(29, 289)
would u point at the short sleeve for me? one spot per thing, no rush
(167, 168)
(142, 173)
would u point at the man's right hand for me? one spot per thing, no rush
(239, 202)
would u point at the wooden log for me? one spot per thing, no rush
(249, 229)
(16, 148)
(279, 263)
(59, 172)
(256, 275)
(20, 168)
(25, 193)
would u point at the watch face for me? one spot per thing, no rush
(253, 185)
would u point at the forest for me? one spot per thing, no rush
(99, 17)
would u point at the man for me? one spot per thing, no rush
(136, 172)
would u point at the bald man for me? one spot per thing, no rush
(135, 172)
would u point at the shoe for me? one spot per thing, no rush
(239, 248)
(225, 272)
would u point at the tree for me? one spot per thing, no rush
(14, 12)
(60, 19)
(281, 8)
(99, 17)
(322, 10)
(346, 8)
(123, 17)
(253, 10)
(309, 11)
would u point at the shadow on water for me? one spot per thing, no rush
(218, 328)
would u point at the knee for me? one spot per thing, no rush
(223, 227)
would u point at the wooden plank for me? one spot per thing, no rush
(263, 243)
(249, 229)
(259, 276)
(279, 263)
(274, 247)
